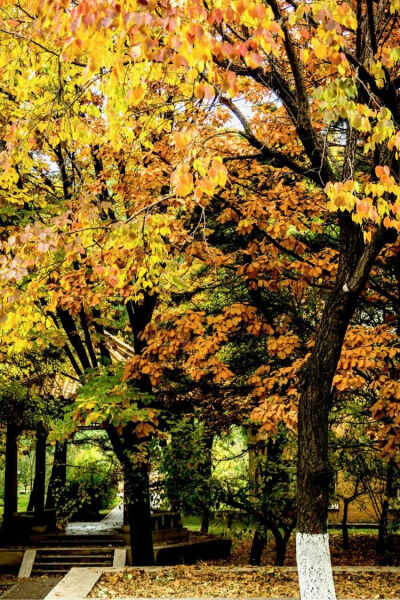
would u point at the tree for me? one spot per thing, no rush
(331, 73)
(269, 494)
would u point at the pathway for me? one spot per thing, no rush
(111, 523)
(32, 589)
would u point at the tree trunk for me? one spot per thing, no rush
(258, 545)
(137, 497)
(11, 475)
(205, 520)
(37, 497)
(314, 472)
(58, 477)
(206, 472)
(280, 546)
(345, 529)
(383, 545)
(137, 512)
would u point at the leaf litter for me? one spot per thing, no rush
(206, 581)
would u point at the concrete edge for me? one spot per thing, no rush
(76, 585)
(27, 564)
(11, 588)
(266, 569)
(119, 559)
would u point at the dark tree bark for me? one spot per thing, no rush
(383, 546)
(206, 471)
(58, 477)
(11, 475)
(126, 445)
(258, 545)
(136, 493)
(314, 472)
(37, 497)
(137, 496)
(281, 542)
(345, 529)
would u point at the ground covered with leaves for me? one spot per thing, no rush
(361, 551)
(208, 581)
(6, 581)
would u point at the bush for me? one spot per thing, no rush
(89, 490)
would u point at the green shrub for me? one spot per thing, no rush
(89, 490)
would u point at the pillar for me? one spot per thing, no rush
(40, 471)
(11, 474)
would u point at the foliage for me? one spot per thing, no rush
(214, 183)
(90, 488)
(189, 485)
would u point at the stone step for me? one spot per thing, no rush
(40, 572)
(75, 558)
(79, 537)
(80, 543)
(75, 550)
(50, 566)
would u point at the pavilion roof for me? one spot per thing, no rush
(63, 386)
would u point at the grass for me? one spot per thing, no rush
(219, 526)
(23, 500)
(240, 528)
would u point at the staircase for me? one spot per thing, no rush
(57, 554)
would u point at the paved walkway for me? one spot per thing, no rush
(32, 589)
(111, 523)
(76, 585)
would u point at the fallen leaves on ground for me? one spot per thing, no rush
(206, 581)
(361, 551)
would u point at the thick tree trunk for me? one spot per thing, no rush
(258, 546)
(137, 510)
(11, 475)
(314, 472)
(137, 497)
(58, 477)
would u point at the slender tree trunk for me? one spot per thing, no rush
(58, 477)
(11, 475)
(205, 520)
(258, 546)
(383, 544)
(207, 470)
(32, 497)
(280, 546)
(345, 529)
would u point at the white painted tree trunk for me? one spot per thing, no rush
(314, 567)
